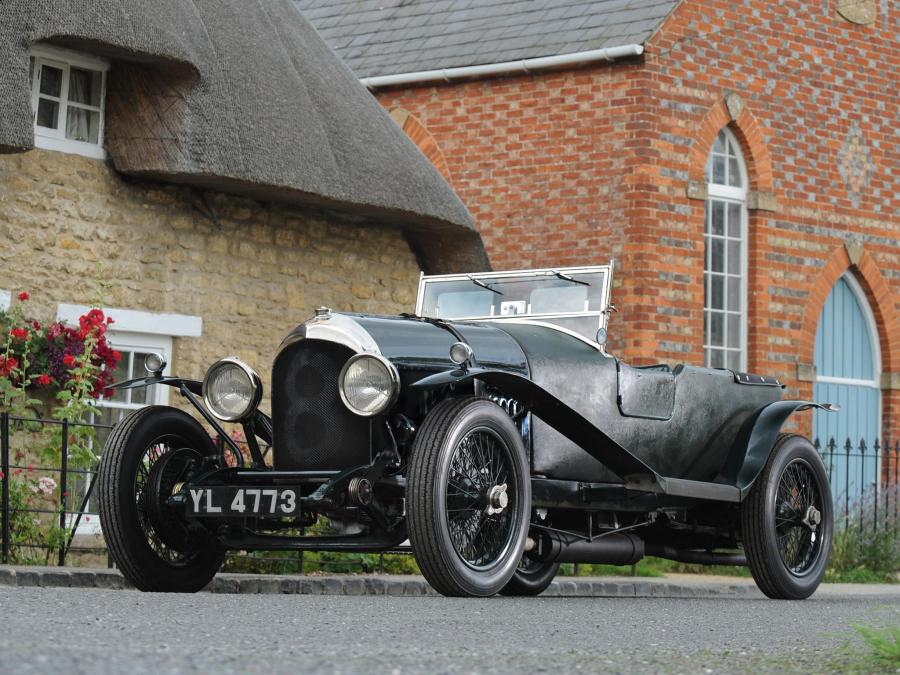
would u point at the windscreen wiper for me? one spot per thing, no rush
(479, 282)
(566, 277)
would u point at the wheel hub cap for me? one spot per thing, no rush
(812, 518)
(497, 499)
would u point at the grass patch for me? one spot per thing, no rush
(652, 567)
(884, 644)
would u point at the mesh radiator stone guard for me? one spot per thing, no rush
(313, 429)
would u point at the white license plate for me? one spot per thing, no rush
(235, 501)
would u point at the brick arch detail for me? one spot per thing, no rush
(749, 133)
(423, 139)
(880, 298)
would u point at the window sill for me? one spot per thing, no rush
(69, 147)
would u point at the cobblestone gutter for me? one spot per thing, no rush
(54, 577)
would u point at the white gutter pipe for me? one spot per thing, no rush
(505, 68)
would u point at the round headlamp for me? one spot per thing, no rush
(368, 384)
(231, 389)
(154, 363)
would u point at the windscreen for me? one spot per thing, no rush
(573, 298)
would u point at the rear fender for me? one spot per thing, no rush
(763, 435)
(558, 415)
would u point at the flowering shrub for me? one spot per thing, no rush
(34, 531)
(77, 360)
(71, 366)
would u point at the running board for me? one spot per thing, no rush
(680, 487)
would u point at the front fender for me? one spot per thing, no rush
(193, 386)
(763, 435)
(554, 412)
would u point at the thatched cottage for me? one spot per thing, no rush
(217, 166)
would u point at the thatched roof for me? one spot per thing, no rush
(235, 95)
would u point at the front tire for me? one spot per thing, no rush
(469, 493)
(787, 521)
(148, 454)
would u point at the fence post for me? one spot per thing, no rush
(876, 448)
(848, 448)
(4, 462)
(862, 484)
(63, 483)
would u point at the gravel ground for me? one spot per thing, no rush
(90, 630)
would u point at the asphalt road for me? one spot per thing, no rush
(45, 630)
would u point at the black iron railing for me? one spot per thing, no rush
(865, 480)
(57, 519)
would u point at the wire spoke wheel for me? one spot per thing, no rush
(479, 472)
(797, 503)
(787, 521)
(469, 497)
(149, 457)
(165, 464)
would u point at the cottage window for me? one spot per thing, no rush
(68, 101)
(725, 268)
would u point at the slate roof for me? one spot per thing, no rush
(388, 37)
(236, 95)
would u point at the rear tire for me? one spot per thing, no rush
(787, 521)
(469, 494)
(148, 453)
(532, 577)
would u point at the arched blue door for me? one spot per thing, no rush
(848, 370)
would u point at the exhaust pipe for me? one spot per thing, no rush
(611, 549)
(619, 549)
(696, 557)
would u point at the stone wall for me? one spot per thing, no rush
(252, 271)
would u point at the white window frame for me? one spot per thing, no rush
(55, 139)
(730, 195)
(139, 331)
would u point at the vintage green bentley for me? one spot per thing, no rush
(490, 434)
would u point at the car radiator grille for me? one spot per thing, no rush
(312, 428)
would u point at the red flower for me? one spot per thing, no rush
(23, 296)
(19, 333)
(11, 363)
(117, 355)
(109, 320)
(36, 325)
(69, 360)
(2, 475)
(44, 380)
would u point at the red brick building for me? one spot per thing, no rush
(739, 160)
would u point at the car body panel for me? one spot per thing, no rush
(708, 411)
(413, 343)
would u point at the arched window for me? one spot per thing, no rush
(725, 266)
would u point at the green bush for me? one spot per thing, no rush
(866, 546)
(34, 535)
